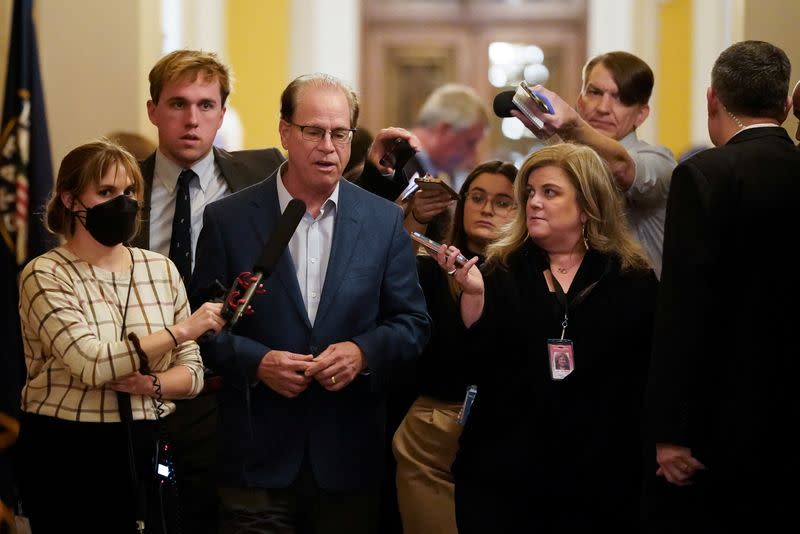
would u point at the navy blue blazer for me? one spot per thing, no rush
(371, 296)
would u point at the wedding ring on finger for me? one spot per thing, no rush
(333, 380)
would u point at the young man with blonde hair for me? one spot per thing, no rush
(188, 93)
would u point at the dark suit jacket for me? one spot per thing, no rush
(240, 169)
(371, 296)
(725, 360)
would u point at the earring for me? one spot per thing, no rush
(585, 238)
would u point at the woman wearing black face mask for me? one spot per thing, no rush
(78, 305)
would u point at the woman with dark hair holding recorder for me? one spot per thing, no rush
(427, 439)
(100, 321)
(567, 277)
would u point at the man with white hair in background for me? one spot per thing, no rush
(449, 126)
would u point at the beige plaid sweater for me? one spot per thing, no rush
(72, 315)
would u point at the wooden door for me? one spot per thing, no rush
(412, 47)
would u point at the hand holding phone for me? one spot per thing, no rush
(526, 100)
(399, 153)
(538, 98)
(428, 182)
(433, 246)
(401, 157)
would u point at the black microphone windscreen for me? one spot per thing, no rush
(503, 104)
(281, 236)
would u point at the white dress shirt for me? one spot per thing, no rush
(209, 187)
(310, 247)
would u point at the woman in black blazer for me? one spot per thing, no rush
(547, 449)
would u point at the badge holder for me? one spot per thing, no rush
(560, 351)
(562, 358)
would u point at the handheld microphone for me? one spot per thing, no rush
(503, 104)
(246, 285)
(522, 100)
(272, 252)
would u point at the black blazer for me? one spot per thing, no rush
(576, 436)
(240, 169)
(725, 359)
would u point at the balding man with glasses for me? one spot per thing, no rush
(302, 410)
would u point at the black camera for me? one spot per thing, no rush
(401, 157)
(398, 154)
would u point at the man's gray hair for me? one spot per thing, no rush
(453, 104)
(291, 95)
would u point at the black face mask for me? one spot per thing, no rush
(111, 222)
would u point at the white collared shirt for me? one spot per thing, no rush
(209, 187)
(310, 246)
(759, 125)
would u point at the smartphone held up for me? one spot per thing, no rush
(428, 182)
(526, 99)
(434, 246)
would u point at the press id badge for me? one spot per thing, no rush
(562, 358)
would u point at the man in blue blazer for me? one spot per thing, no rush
(302, 410)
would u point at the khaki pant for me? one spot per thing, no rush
(425, 447)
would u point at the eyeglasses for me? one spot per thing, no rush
(502, 204)
(340, 136)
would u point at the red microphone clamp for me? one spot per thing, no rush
(237, 300)
(234, 300)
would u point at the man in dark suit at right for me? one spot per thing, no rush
(188, 90)
(722, 399)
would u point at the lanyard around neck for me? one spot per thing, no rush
(561, 296)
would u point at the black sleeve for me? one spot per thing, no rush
(681, 324)
(373, 181)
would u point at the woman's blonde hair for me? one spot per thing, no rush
(606, 229)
